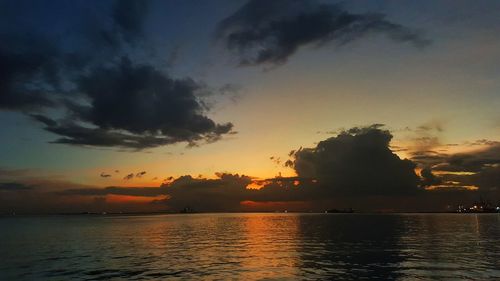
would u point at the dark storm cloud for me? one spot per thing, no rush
(358, 161)
(75, 134)
(136, 107)
(28, 72)
(91, 77)
(34, 64)
(269, 32)
(140, 99)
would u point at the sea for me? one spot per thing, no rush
(251, 246)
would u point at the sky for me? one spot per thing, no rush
(304, 105)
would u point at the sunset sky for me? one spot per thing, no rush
(248, 105)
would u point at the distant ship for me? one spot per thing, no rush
(187, 210)
(341, 211)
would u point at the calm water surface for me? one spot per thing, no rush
(252, 247)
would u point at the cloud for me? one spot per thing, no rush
(99, 92)
(431, 126)
(35, 65)
(115, 190)
(269, 32)
(104, 175)
(14, 186)
(221, 194)
(230, 192)
(482, 168)
(424, 144)
(488, 179)
(428, 178)
(28, 71)
(478, 168)
(355, 168)
(140, 174)
(135, 107)
(477, 160)
(473, 161)
(226, 192)
(25, 191)
(427, 158)
(358, 162)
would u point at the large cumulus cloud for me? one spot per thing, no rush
(358, 161)
(101, 83)
(343, 171)
(355, 168)
(269, 32)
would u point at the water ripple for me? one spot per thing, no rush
(252, 247)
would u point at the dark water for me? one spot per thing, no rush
(252, 247)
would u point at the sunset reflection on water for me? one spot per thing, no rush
(252, 247)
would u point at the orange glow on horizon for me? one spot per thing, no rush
(256, 185)
(462, 173)
(274, 205)
(466, 187)
(112, 198)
